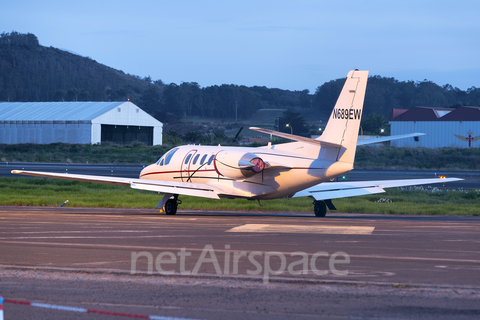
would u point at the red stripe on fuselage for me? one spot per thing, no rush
(178, 171)
(214, 170)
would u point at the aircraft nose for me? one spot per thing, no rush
(145, 171)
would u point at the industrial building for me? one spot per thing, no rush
(77, 122)
(445, 127)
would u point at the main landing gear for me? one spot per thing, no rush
(169, 204)
(320, 207)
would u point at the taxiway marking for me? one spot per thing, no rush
(282, 228)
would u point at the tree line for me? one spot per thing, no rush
(31, 72)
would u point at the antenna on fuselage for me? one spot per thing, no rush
(238, 133)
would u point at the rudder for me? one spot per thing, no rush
(344, 122)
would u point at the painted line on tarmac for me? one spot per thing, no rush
(68, 232)
(113, 246)
(279, 228)
(87, 237)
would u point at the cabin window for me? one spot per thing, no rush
(210, 159)
(203, 159)
(195, 159)
(167, 157)
(188, 158)
(170, 155)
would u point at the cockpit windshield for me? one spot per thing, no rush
(165, 159)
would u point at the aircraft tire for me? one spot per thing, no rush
(320, 208)
(170, 207)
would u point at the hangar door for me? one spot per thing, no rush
(127, 134)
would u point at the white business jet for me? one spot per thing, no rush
(297, 169)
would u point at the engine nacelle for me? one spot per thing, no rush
(238, 165)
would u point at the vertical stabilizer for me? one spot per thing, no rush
(344, 123)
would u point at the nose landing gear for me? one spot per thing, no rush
(169, 204)
(170, 207)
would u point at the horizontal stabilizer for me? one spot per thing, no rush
(295, 138)
(333, 190)
(362, 142)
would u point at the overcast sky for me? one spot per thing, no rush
(292, 45)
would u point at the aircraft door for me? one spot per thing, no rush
(185, 167)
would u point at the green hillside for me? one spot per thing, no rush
(32, 72)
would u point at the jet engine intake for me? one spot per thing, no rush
(238, 165)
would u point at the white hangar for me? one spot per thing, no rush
(445, 127)
(77, 122)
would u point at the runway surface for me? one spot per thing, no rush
(383, 266)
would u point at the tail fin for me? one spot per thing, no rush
(344, 123)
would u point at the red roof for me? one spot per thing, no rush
(395, 113)
(463, 114)
(421, 114)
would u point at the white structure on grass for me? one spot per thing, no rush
(77, 122)
(445, 127)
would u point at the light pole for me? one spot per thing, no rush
(289, 126)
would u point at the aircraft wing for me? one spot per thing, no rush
(333, 190)
(183, 188)
(361, 142)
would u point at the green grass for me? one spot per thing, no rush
(49, 192)
(368, 157)
(138, 153)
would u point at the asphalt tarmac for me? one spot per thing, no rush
(216, 265)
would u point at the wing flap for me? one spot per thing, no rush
(204, 193)
(341, 193)
(333, 190)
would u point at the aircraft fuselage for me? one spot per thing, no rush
(279, 173)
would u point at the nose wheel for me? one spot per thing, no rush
(169, 204)
(170, 207)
